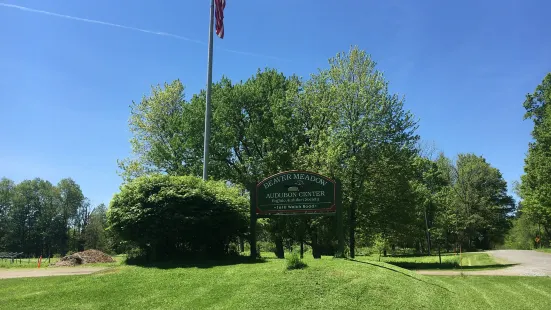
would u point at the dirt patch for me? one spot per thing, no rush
(84, 257)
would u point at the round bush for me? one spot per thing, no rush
(174, 216)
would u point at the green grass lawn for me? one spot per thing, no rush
(325, 284)
(546, 250)
(467, 261)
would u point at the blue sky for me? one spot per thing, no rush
(66, 84)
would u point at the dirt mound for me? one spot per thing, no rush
(85, 257)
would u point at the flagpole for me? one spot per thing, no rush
(207, 105)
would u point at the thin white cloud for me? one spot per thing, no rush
(159, 33)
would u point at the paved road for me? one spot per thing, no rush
(530, 263)
(44, 272)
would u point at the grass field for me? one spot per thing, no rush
(546, 250)
(467, 261)
(325, 284)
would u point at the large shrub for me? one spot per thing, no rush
(173, 216)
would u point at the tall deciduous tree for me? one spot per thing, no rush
(254, 133)
(7, 187)
(71, 199)
(95, 234)
(479, 201)
(164, 128)
(535, 189)
(352, 121)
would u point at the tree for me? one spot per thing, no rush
(77, 237)
(71, 199)
(254, 133)
(36, 216)
(427, 185)
(164, 127)
(352, 122)
(535, 188)
(33, 225)
(24, 235)
(523, 233)
(7, 187)
(94, 234)
(48, 225)
(479, 202)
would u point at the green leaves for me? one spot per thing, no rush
(168, 216)
(535, 189)
(36, 216)
(476, 206)
(342, 122)
(166, 134)
(358, 131)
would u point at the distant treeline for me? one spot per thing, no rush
(39, 218)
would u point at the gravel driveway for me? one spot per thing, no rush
(44, 272)
(530, 263)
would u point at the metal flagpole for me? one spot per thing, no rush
(207, 105)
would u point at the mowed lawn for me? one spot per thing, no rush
(325, 284)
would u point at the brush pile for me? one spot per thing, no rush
(84, 257)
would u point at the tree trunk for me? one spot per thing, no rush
(427, 231)
(352, 216)
(279, 251)
(64, 242)
(241, 244)
(301, 249)
(439, 257)
(315, 246)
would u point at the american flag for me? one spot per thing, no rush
(220, 5)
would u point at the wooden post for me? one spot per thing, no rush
(340, 229)
(460, 257)
(252, 236)
(352, 220)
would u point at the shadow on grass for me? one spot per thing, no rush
(197, 262)
(409, 255)
(398, 271)
(445, 266)
(424, 255)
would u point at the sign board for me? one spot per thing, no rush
(293, 192)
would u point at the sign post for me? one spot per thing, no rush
(340, 228)
(294, 193)
(253, 222)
